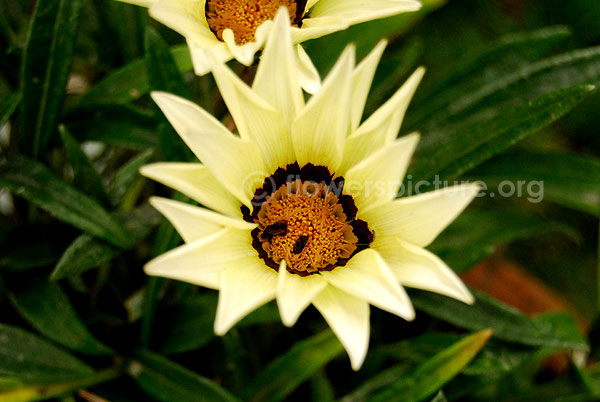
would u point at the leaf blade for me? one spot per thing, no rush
(34, 182)
(45, 70)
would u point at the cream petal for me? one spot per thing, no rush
(362, 78)
(419, 219)
(194, 223)
(377, 179)
(245, 53)
(308, 76)
(357, 11)
(382, 126)
(316, 27)
(368, 277)
(245, 286)
(276, 78)
(201, 261)
(418, 268)
(234, 161)
(202, 58)
(256, 120)
(185, 21)
(295, 293)
(197, 182)
(319, 132)
(310, 4)
(348, 317)
(143, 3)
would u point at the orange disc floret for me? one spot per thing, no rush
(243, 17)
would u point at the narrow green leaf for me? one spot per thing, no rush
(365, 36)
(8, 105)
(377, 382)
(321, 388)
(127, 174)
(86, 177)
(573, 181)
(294, 367)
(188, 324)
(87, 252)
(162, 69)
(46, 307)
(167, 381)
(45, 70)
(119, 125)
(164, 76)
(36, 359)
(16, 391)
(469, 144)
(131, 81)
(34, 182)
(507, 323)
(475, 234)
(500, 58)
(431, 375)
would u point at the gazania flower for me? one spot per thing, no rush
(236, 28)
(300, 204)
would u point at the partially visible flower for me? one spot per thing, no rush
(303, 201)
(236, 28)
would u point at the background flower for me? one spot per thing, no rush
(217, 35)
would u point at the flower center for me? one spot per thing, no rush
(304, 219)
(303, 224)
(243, 17)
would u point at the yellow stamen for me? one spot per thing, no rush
(303, 224)
(243, 17)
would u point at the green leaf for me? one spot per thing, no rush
(13, 390)
(119, 125)
(377, 382)
(86, 177)
(35, 359)
(45, 70)
(8, 105)
(475, 234)
(507, 323)
(291, 369)
(87, 252)
(188, 324)
(431, 375)
(164, 76)
(365, 36)
(127, 174)
(46, 307)
(468, 144)
(573, 181)
(500, 58)
(34, 182)
(131, 81)
(512, 87)
(167, 381)
(163, 73)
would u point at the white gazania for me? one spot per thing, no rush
(235, 29)
(277, 130)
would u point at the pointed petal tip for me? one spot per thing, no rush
(220, 329)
